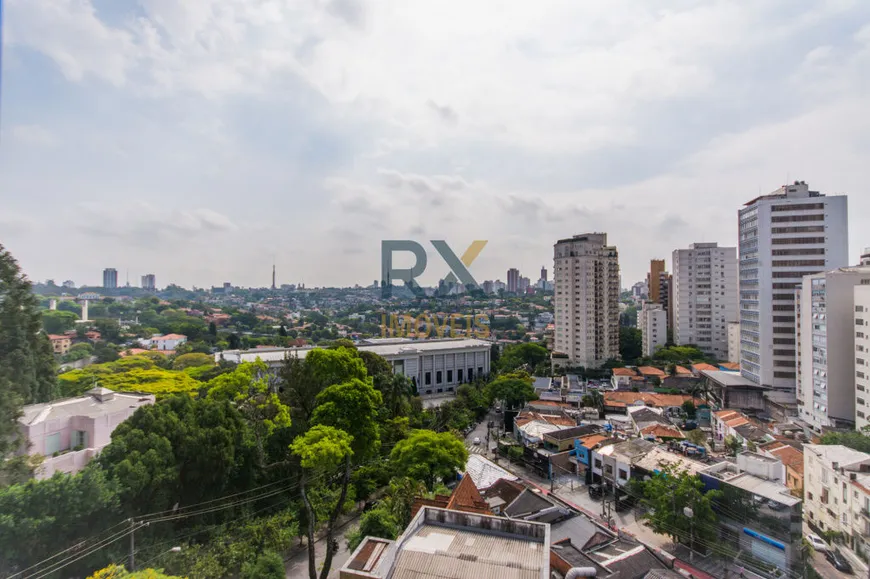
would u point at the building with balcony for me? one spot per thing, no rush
(837, 493)
(653, 327)
(861, 302)
(828, 351)
(783, 236)
(586, 274)
(705, 296)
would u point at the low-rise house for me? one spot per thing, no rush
(643, 416)
(670, 403)
(662, 432)
(727, 423)
(530, 427)
(562, 440)
(60, 343)
(621, 378)
(465, 497)
(793, 461)
(583, 448)
(611, 464)
(837, 493)
(168, 342)
(72, 431)
(651, 375)
(703, 367)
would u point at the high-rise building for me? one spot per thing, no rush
(666, 292)
(826, 342)
(653, 280)
(110, 278)
(734, 342)
(586, 275)
(705, 296)
(865, 256)
(149, 281)
(861, 302)
(784, 236)
(543, 273)
(513, 280)
(523, 284)
(653, 327)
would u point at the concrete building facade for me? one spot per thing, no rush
(734, 342)
(705, 296)
(653, 327)
(826, 338)
(586, 274)
(783, 236)
(110, 278)
(861, 301)
(837, 493)
(513, 280)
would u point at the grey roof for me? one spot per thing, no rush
(730, 379)
(663, 574)
(579, 529)
(543, 383)
(648, 416)
(527, 503)
(574, 432)
(631, 560)
(572, 555)
(98, 402)
(484, 472)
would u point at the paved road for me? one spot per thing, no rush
(297, 565)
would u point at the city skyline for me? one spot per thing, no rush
(312, 132)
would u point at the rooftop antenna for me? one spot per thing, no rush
(273, 273)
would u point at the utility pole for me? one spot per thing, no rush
(132, 561)
(691, 515)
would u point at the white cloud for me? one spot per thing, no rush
(342, 122)
(33, 135)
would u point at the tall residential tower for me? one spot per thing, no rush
(705, 296)
(586, 275)
(110, 278)
(784, 236)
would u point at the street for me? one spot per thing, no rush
(297, 565)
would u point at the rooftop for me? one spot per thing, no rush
(484, 472)
(657, 458)
(757, 486)
(624, 372)
(842, 455)
(650, 371)
(95, 403)
(575, 432)
(728, 379)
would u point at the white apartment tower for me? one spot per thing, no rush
(653, 327)
(826, 355)
(705, 296)
(586, 276)
(784, 236)
(861, 297)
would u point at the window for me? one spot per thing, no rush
(438, 377)
(459, 375)
(470, 374)
(427, 378)
(52, 443)
(597, 463)
(608, 469)
(79, 438)
(623, 474)
(480, 370)
(449, 376)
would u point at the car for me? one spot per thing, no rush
(476, 440)
(816, 543)
(838, 561)
(775, 506)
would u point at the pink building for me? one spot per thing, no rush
(72, 431)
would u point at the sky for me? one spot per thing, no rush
(201, 140)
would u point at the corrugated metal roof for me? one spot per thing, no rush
(445, 553)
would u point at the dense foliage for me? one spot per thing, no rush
(142, 373)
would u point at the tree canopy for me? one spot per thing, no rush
(514, 389)
(518, 356)
(429, 456)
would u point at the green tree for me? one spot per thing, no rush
(853, 439)
(117, 572)
(268, 565)
(697, 436)
(630, 343)
(519, 356)
(514, 391)
(429, 456)
(192, 360)
(377, 522)
(321, 450)
(689, 408)
(43, 517)
(57, 321)
(668, 494)
(733, 444)
(180, 451)
(27, 366)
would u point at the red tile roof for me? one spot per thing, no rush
(624, 372)
(683, 370)
(170, 337)
(466, 497)
(648, 398)
(730, 365)
(702, 367)
(650, 371)
(662, 431)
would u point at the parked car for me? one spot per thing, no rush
(775, 506)
(816, 543)
(838, 561)
(476, 440)
(595, 491)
